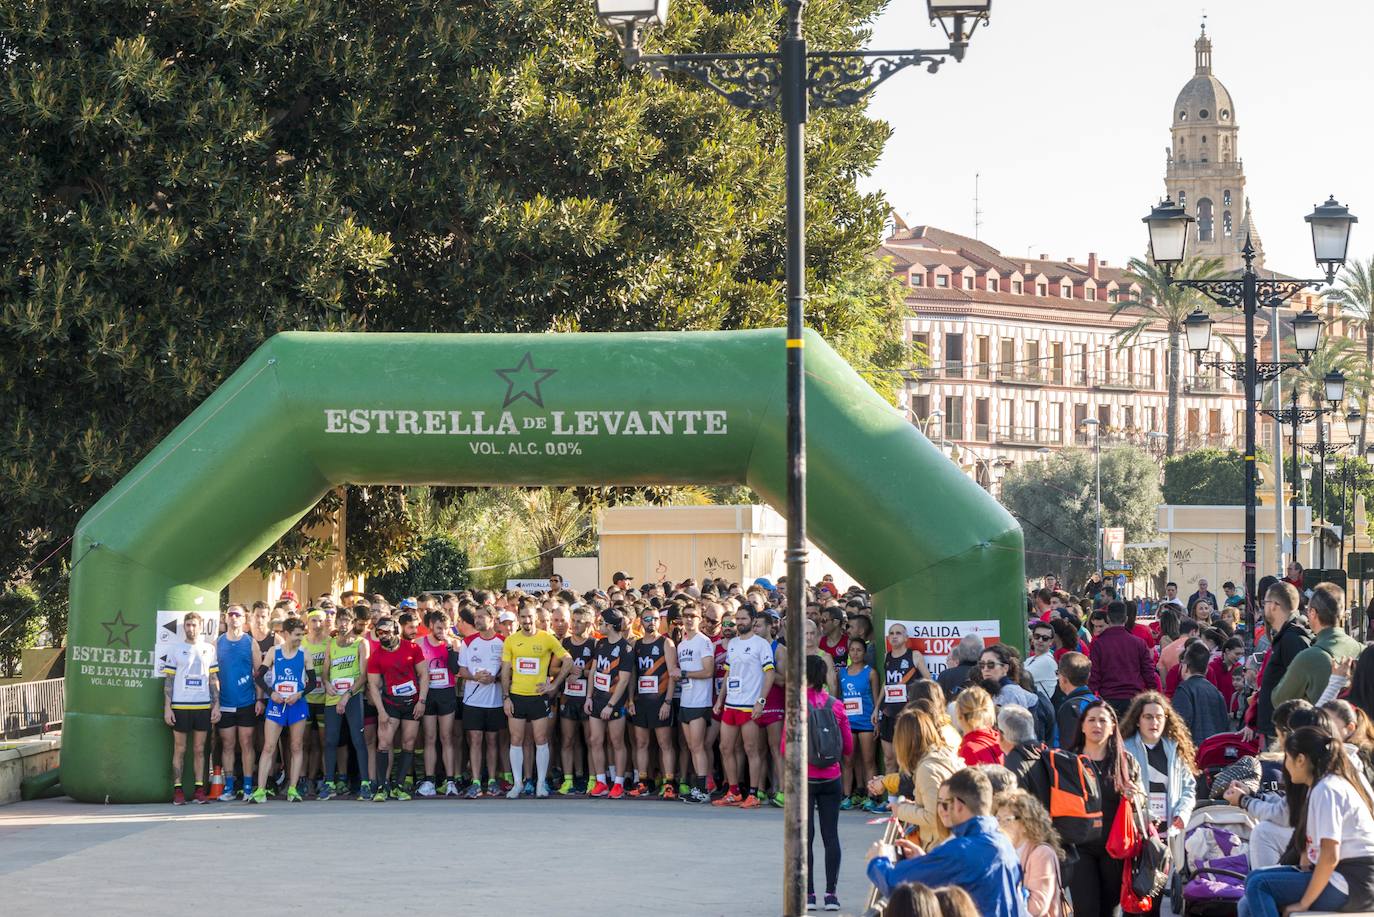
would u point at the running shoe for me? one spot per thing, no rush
(878, 808)
(599, 790)
(846, 803)
(474, 790)
(494, 789)
(729, 799)
(529, 787)
(228, 793)
(810, 901)
(542, 790)
(751, 803)
(200, 797)
(505, 786)
(426, 790)
(777, 801)
(832, 903)
(667, 792)
(380, 795)
(698, 796)
(293, 795)
(365, 790)
(399, 794)
(638, 790)
(410, 781)
(178, 797)
(450, 790)
(326, 792)
(259, 795)
(683, 790)
(319, 786)
(711, 785)
(567, 786)
(514, 792)
(618, 791)
(591, 784)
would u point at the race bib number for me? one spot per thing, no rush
(343, 685)
(438, 676)
(285, 688)
(1159, 808)
(894, 694)
(602, 681)
(527, 665)
(648, 684)
(576, 687)
(853, 706)
(734, 684)
(404, 689)
(195, 682)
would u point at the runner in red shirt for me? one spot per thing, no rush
(398, 683)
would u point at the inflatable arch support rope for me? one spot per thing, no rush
(310, 411)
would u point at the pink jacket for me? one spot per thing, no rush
(817, 699)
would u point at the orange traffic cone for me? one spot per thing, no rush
(217, 782)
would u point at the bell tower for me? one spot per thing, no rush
(1204, 171)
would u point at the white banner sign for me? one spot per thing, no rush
(937, 639)
(533, 585)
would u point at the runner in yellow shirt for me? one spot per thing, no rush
(532, 671)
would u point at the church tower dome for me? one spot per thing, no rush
(1204, 171)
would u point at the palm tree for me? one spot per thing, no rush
(1166, 304)
(1355, 297)
(1340, 354)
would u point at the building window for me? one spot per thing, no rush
(954, 417)
(981, 427)
(1113, 295)
(1204, 220)
(1066, 291)
(1128, 417)
(1150, 420)
(1006, 417)
(992, 285)
(1183, 199)
(1018, 287)
(1226, 223)
(968, 282)
(917, 280)
(1042, 289)
(920, 407)
(1091, 294)
(1226, 198)
(942, 280)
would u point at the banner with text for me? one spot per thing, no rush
(937, 639)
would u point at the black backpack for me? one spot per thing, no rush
(1043, 711)
(825, 745)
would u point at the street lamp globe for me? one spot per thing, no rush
(1305, 470)
(617, 13)
(1198, 329)
(1334, 383)
(1329, 464)
(1354, 424)
(1168, 225)
(1331, 224)
(1307, 332)
(953, 15)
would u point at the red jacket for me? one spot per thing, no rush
(981, 746)
(1121, 666)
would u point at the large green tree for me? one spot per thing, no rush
(1056, 503)
(1163, 306)
(1205, 477)
(185, 179)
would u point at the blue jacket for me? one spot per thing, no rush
(978, 858)
(1181, 790)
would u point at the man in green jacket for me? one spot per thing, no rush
(1311, 669)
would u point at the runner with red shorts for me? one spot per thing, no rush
(749, 676)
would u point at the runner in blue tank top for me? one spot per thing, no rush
(239, 658)
(859, 692)
(288, 680)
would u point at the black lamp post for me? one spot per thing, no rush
(1169, 231)
(790, 80)
(1333, 389)
(1292, 419)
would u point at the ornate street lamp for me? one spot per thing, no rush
(1333, 384)
(1354, 425)
(1331, 224)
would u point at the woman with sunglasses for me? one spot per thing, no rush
(999, 670)
(1096, 878)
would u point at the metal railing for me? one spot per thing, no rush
(1023, 374)
(1030, 436)
(1208, 385)
(29, 707)
(1123, 380)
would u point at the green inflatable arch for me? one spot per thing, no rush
(310, 411)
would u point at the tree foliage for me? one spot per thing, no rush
(184, 182)
(440, 563)
(1055, 502)
(1205, 477)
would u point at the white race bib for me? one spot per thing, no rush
(285, 688)
(1159, 807)
(853, 706)
(734, 684)
(343, 685)
(894, 694)
(602, 681)
(648, 684)
(194, 682)
(404, 689)
(527, 665)
(576, 687)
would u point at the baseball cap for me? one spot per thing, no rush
(619, 575)
(505, 616)
(287, 595)
(409, 603)
(614, 618)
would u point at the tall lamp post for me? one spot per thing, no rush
(790, 80)
(1333, 389)
(1291, 420)
(1093, 424)
(1169, 231)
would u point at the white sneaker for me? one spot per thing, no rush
(514, 792)
(426, 790)
(450, 789)
(541, 789)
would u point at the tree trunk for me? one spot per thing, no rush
(1171, 408)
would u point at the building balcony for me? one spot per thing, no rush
(954, 369)
(1030, 436)
(1204, 385)
(982, 432)
(1122, 381)
(1026, 374)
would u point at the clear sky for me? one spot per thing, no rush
(1064, 108)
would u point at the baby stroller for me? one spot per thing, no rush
(1221, 750)
(1212, 856)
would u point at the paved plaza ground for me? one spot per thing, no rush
(561, 857)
